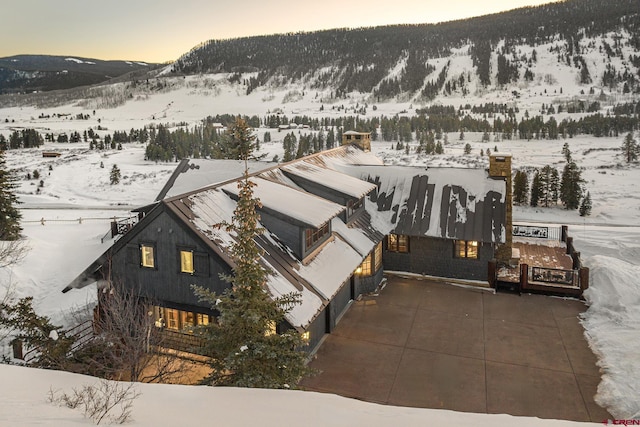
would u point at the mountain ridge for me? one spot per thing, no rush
(29, 73)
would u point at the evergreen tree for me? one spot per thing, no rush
(467, 148)
(9, 214)
(570, 186)
(20, 321)
(630, 148)
(245, 347)
(548, 182)
(585, 206)
(535, 190)
(520, 188)
(114, 175)
(240, 143)
(566, 152)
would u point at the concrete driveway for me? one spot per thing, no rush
(428, 344)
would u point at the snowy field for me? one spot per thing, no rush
(76, 203)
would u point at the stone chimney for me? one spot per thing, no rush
(500, 167)
(361, 139)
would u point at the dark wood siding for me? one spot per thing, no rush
(317, 330)
(435, 257)
(290, 235)
(338, 304)
(365, 285)
(165, 283)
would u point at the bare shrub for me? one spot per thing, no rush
(105, 400)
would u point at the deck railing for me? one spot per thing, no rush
(538, 232)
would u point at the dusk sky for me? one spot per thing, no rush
(162, 30)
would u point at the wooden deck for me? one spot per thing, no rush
(537, 253)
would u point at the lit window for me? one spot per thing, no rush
(178, 319)
(203, 319)
(188, 319)
(186, 262)
(377, 257)
(398, 243)
(146, 253)
(271, 329)
(306, 336)
(466, 249)
(172, 319)
(365, 267)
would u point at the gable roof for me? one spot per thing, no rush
(302, 207)
(339, 182)
(191, 174)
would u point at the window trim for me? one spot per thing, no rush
(313, 236)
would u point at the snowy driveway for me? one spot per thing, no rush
(426, 344)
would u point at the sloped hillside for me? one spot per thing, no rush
(407, 60)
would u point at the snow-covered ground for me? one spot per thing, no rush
(77, 202)
(25, 404)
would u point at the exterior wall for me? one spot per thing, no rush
(365, 285)
(435, 257)
(165, 284)
(338, 304)
(317, 329)
(290, 235)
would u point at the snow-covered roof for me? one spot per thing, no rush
(330, 178)
(192, 174)
(306, 208)
(317, 280)
(443, 202)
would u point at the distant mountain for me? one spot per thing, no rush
(413, 61)
(29, 73)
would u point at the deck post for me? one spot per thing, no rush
(524, 276)
(584, 278)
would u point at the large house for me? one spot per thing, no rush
(333, 222)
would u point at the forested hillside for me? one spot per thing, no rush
(29, 73)
(404, 59)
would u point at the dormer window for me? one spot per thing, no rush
(315, 235)
(354, 206)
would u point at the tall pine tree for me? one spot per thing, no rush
(535, 190)
(9, 215)
(245, 346)
(630, 148)
(571, 186)
(520, 188)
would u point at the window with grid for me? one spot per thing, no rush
(314, 235)
(353, 206)
(146, 256)
(178, 319)
(398, 243)
(466, 249)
